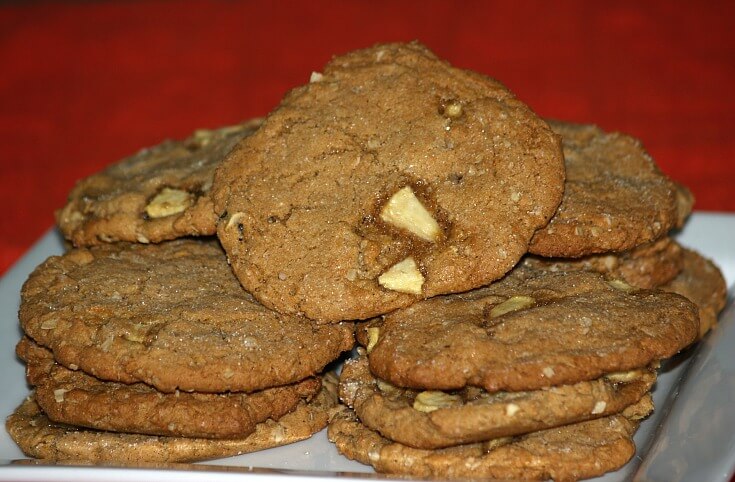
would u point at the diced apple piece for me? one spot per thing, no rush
(405, 211)
(403, 277)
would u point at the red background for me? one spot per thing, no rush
(84, 84)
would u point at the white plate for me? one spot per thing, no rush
(691, 435)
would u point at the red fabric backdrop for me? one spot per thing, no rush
(84, 84)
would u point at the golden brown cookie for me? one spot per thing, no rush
(646, 266)
(391, 177)
(435, 419)
(534, 328)
(38, 437)
(572, 452)
(702, 282)
(171, 315)
(160, 193)
(74, 398)
(615, 197)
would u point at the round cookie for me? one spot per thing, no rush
(391, 177)
(702, 282)
(615, 197)
(433, 419)
(572, 452)
(41, 438)
(160, 193)
(74, 398)
(646, 266)
(171, 315)
(534, 328)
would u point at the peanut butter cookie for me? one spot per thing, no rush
(702, 282)
(534, 328)
(391, 177)
(74, 398)
(572, 452)
(435, 419)
(171, 315)
(39, 437)
(615, 197)
(648, 266)
(160, 193)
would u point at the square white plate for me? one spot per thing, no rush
(691, 435)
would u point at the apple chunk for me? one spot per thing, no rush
(168, 202)
(403, 277)
(405, 211)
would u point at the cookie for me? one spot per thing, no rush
(41, 438)
(684, 203)
(171, 315)
(75, 398)
(702, 282)
(391, 177)
(158, 194)
(572, 452)
(615, 197)
(646, 266)
(532, 329)
(433, 419)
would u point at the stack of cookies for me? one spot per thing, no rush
(154, 352)
(512, 278)
(545, 372)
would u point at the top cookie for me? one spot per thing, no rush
(171, 315)
(391, 177)
(615, 198)
(160, 193)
